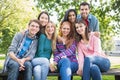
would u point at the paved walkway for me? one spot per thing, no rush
(114, 60)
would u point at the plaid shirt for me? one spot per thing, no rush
(61, 51)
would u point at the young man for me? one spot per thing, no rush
(21, 51)
(91, 20)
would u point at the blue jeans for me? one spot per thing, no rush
(13, 70)
(66, 68)
(40, 68)
(93, 66)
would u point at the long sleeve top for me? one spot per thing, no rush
(44, 47)
(62, 51)
(17, 44)
(93, 48)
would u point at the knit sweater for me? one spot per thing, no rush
(44, 47)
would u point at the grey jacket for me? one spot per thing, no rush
(16, 46)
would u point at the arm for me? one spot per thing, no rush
(96, 25)
(56, 53)
(68, 52)
(97, 47)
(80, 59)
(14, 44)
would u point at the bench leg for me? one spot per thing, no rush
(71, 77)
(59, 78)
(117, 77)
(4, 78)
(20, 77)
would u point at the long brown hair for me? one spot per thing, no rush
(78, 37)
(70, 36)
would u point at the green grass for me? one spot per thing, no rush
(79, 78)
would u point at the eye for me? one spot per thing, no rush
(76, 27)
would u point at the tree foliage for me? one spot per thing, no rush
(102, 10)
(59, 6)
(14, 16)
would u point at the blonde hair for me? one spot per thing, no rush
(53, 39)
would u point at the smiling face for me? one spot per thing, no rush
(43, 19)
(80, 28)
(84, 10)
(72, 16)
(50, 29)
(65, 29)
(33, 28)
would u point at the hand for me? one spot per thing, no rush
(79, 72)
(55, 63)
(21, 62)
(97, 34)
(21, 68)
(60, 39)
(53, 67)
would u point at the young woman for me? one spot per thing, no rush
(71, 16)
(91, 59)
(46, 45)
(44, 19)
(65, 53)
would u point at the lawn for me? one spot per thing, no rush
(79, 78)
(105, 77)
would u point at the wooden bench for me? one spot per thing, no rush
(114, 72)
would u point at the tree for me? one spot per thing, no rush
(59, 6)
(102, 11)
(116, 15)
(14, 16)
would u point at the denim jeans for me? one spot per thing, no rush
(93, 66)
(66, 68)
(13, 70)
(40, 68)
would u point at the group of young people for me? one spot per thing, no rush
(76, 48)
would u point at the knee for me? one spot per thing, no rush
(28, 64)
(87, 59)
(34, 61)
(13, 64)
(37, 69)
(106, 66)
(65, 60)
(94, 69)
(46, 62)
